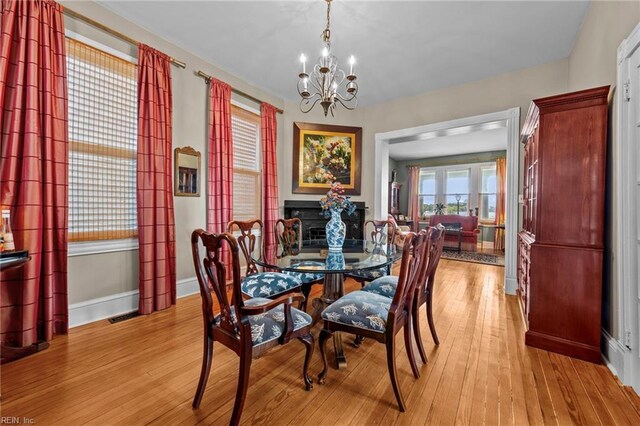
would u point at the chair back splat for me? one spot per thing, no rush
(412, 269)
(247, 240)
(211, 273)
(288, 233)
(382, 232)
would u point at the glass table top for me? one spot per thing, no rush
(356, 255)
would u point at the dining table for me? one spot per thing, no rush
(314, 256)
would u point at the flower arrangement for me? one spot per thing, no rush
(440, 208)
(336, 200)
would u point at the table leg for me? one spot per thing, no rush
(332, 291)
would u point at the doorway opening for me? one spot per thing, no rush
(471, 146)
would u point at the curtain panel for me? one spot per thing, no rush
(501, 190)
(270, 177)
(156, 224)
(34, 168)
(413, 207)
(220, 163)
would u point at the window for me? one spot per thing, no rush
(427, 193)
(487, 196)
(103, 131)
(247, 188)
(457, 192)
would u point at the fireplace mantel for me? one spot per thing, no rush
(313, 223)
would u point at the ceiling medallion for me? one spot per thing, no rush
(325, 79)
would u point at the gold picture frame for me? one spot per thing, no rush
(186, 172)
(323, 154)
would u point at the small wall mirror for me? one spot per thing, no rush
(187, 172)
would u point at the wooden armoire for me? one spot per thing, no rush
(560, 249)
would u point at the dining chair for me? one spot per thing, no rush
(256, 283)
(247, 327)
(378, 317)
(386, 286)
(288, 233)
(381, 233)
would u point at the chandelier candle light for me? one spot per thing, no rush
(326, 79)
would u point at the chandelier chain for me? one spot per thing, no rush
(326, 34)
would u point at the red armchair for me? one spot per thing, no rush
(470, 230)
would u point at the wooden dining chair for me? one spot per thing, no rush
(247, 327)
(386, 286)
(288, 233)
(382, 233)
(254, 282)
(378, 317)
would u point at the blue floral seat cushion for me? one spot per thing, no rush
(370, 275)
(268, 284)
(384, 286)
(270, 325)
(307, 277)
(360, 309)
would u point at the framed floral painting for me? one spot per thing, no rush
(323, 154)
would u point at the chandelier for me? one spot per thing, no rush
(326, 80)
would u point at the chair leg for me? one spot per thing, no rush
(207, 357)
(243, 384)
(393, 374)
(322, 343)
(306, 290)
(415, 322)
(308, 342)
(409, 348)
(432, 326)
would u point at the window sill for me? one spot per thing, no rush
(83, 248)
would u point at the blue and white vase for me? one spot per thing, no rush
(336, 230)
(335, 260)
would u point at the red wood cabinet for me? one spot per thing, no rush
(560, 247)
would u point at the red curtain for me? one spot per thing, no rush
(220, 164)
(156, 226)
(34, 168)
(270, 173)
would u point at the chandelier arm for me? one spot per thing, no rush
(307, 101)
(351, 108)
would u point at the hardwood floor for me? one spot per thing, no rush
(145, 371)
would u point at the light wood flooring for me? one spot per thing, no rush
(145, 371)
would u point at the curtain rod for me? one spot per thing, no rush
(208, 78)
(113, 32)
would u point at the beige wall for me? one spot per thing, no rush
(514, 89)
(100, 275)
(592, 63)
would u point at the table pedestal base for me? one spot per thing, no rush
(332, 291)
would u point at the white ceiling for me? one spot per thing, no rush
(462, 140)
(402, 48)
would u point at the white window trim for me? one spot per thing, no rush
(475, 170)
(84, 248)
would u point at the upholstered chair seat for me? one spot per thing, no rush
(269, 284)
(269, 326)
(384, 286)
(360, 309)
(307, 277)
(370, 275)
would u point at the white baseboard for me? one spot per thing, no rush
(117, 304)
(613, 354)
(510, 286)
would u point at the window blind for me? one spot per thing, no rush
(102, 144)
(247, 182)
